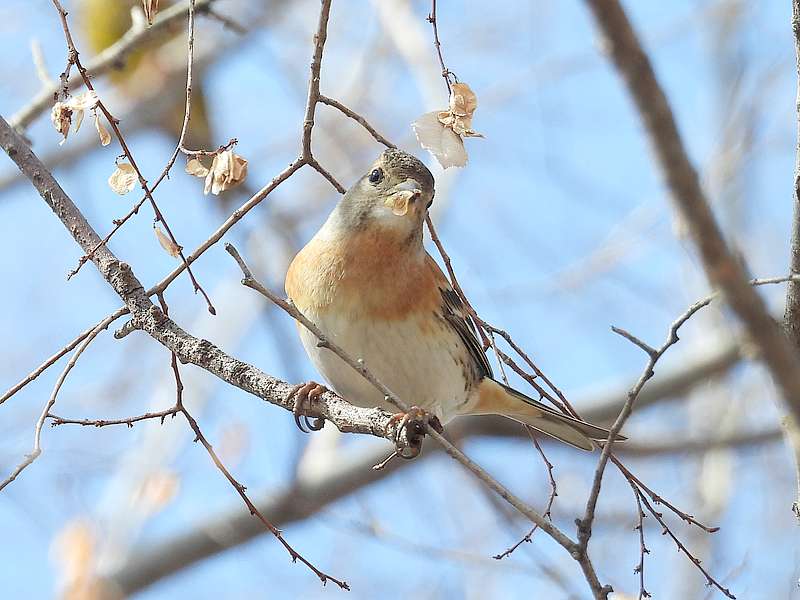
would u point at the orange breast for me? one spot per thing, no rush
(369, 273)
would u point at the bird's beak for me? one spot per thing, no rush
(409, 185)
(402, 195)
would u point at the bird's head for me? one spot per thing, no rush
(393, 195)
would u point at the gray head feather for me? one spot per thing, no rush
(365, 201)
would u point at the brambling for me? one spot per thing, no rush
(367, 282)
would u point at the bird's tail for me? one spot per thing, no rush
(498, 399)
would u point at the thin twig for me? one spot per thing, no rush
(682, 548)
(640, 516)
(659, 499)
(313, 85)
(55, 420)
(74, 59)
(446, 73)
(585, 524)
(550, 499)
(357, 118)
(45, 365)
(648, 349)
(37, 432)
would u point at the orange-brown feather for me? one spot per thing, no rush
(371, 272)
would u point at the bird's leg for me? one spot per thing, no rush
(413, 422)
(305, 394)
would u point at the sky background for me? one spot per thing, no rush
(559, 227)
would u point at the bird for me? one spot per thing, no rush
(367, 282)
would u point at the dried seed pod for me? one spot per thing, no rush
(123, 179)
(441, 132)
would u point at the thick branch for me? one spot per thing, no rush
(722, 269)
(791, 319)
(149, 318)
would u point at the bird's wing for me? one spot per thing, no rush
(455, 313)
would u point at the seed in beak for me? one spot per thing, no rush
(399, 201)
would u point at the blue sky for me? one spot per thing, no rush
(558, 228)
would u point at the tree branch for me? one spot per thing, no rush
(107, 60)
(722, 269)
(149, 318)
(791, 318)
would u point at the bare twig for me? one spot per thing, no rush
(446, 73)
(55, 420)
(640, 516)
(313, 85)
(74, 59)
(46, 364)
(358, 119)
(550, 499)
(682, 548)
(37, 432)
(648, 349)
(660, 499)
(585, 524)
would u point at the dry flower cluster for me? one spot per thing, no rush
(123, 179)
(70, 113)
(227, 171)
(441, 132)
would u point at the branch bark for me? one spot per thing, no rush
(791, 318)
(149, 318)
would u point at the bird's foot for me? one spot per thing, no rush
(305, 394)
(413, 424)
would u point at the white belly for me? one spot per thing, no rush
(423, 370)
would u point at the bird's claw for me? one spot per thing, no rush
(413, 423)
(305, 394)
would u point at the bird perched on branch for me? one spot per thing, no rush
(367, 282)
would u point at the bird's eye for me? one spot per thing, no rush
(375, 176)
